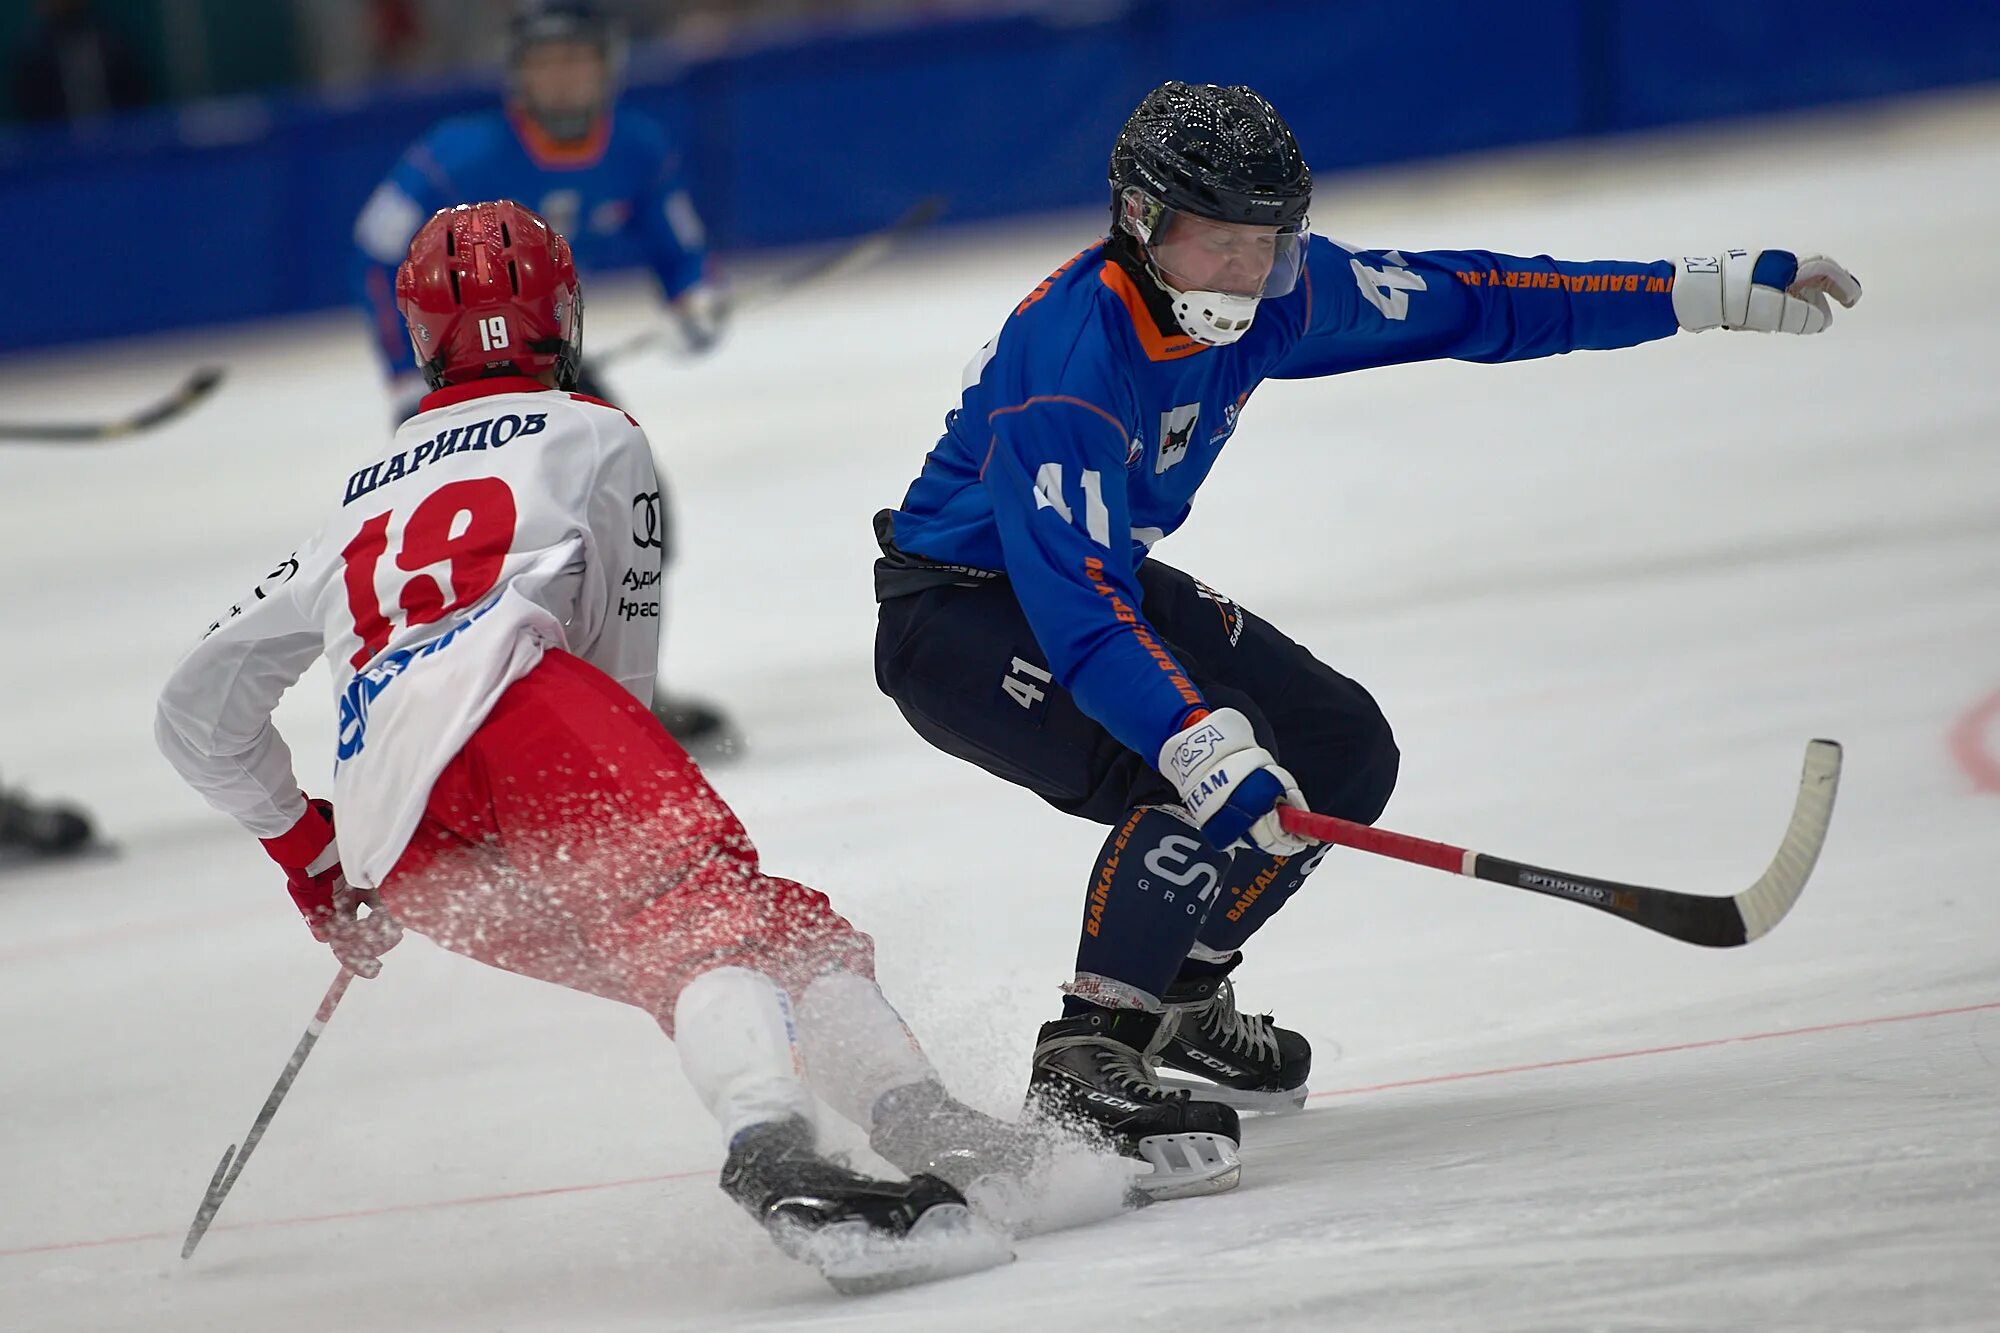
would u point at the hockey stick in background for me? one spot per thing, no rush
(195, 388)
(852, 257)
(1693, 918)
(232, 1161)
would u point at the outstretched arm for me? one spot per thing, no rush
(1369, 308)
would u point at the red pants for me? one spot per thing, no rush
(574, 841)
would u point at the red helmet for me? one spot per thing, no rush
(489, 287)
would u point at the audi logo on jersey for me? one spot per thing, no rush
(648, 526)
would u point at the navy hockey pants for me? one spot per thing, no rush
(965, 669)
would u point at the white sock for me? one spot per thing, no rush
(734, 1030)
(856, 1045)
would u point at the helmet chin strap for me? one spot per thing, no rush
(1215, 319)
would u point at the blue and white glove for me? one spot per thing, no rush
(1232, 786)
(1768, 291)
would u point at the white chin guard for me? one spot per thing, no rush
(1213, 318)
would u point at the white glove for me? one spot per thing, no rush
(696, 316)
(1232, 786)
(1770, 291)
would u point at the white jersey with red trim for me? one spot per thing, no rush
(503, 520)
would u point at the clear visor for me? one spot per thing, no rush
(1196, 254)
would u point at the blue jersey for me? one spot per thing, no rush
(617, 197)
(1089, 422)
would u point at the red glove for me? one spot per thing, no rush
(332, 907)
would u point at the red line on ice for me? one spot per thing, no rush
(1657, 1050)
(312, 1218)
(1971, 746)
(429, 1205)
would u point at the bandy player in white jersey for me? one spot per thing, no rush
(485, 594)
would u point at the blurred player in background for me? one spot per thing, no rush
(1025, 627)
(606, 177)
(32, 829)
(480, 597)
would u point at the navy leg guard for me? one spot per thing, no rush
(1255, 887)
(1154, 883)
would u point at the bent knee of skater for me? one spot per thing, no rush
(1378, 780)
(800, 935)
(1353, 780)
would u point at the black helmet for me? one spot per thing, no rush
(536, 22)
(1219, 153)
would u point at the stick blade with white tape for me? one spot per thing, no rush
(1717, 923)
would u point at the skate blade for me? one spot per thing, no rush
(1186, 1166)
(947, 1241)
(1282, 1101)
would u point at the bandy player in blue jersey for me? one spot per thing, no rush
(605, 177)
(1025, 627)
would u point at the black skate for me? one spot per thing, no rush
(702, 729)
(863, 1234)
(31, 831)
(1246, 1062)
(1089, 1072)
(1026, 1179)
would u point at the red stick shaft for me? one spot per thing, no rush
(1401, 846)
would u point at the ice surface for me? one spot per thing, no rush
(1605, 599)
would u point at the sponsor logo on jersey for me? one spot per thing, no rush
(629, 609)
(1176, 430)
(492, 433)
(1229, 414)
(1232, 614)
(1093, 570)
(648, 523)
(267, 585)
(637, 581)
(367, 686)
